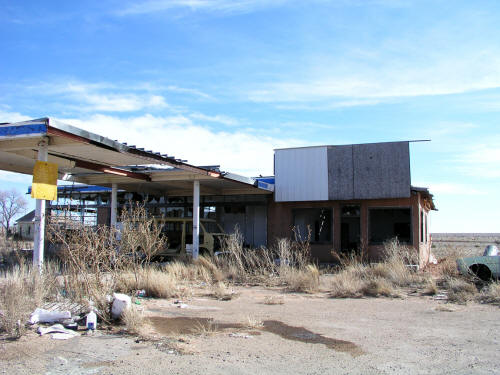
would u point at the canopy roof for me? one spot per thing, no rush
(89, 158)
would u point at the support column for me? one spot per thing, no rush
(39, 241)
(113, 205)
(196, 219)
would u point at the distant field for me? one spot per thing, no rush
(462, 244)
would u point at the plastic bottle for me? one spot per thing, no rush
(91, 320)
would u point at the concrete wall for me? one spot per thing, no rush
(280, 224)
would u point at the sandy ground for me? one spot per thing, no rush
(304, 335)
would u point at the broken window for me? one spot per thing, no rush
(387, 223)
(316, 220)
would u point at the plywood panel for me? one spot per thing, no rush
(381, 170)
(340, 173)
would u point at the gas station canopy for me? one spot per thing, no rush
(89, 158)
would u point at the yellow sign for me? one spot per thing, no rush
(44, 181)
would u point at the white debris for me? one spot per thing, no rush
(58, 332)
(46, 316)
(240, 335)
(121, 302)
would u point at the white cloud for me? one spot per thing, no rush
(481, 161)
(222, 6)
(6, 116)
(221, 119)
(103, 96)
(121, 103)
(236, 151)
(367, 87)
(17, 178)
(190, 91)
(453, 188)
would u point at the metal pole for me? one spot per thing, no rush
(40, 214)
(196, 218)
(113, 205)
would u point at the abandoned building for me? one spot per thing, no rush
(343, 198)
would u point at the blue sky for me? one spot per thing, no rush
(225, 82)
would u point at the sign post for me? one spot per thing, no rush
(44, 188)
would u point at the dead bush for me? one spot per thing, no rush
(133, 320)
(156, 283)
(274, 300)
(430, 287)
(304, 279)
(253, 322)
(378, 287)
(207, 264)
(400, 264)
(91, 264)
(490, 294)
(347, 284)
(460, 290)
(221, 292)
(397, 269)
(23, 289)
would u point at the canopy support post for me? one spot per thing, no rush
(113, 205)
(39, 240)
(196, 219)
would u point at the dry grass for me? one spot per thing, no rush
(205, 328)
(431, 288)
(460, 290)
(21, 291)
(155, 282)
(356, 278)
(274, 300)
(378, 287)
(445, 308)
(133, 320)
(346, 284)
(301, 280)
(253, 323)
(221, 292)
(490, 294)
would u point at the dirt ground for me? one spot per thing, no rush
(462, 244)
(306, 334)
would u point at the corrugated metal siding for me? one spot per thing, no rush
(301, 174)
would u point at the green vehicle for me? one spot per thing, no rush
(179, 233)
(485, 267)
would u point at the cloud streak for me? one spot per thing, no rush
(236, 151)
(221, 6)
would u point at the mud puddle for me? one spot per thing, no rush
(304, 335)
(185, 325)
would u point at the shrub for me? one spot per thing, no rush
(133, 319)
(460, 290)
(21, 291)
(304, 279)
(490, 294)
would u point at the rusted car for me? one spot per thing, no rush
(486, 267)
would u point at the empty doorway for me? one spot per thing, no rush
(350, 228)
